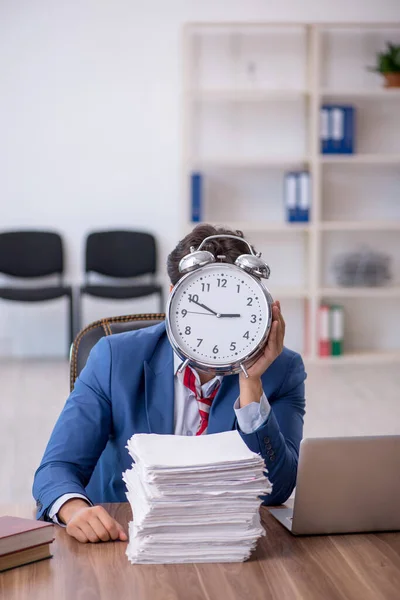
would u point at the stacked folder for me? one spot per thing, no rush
(194, 499)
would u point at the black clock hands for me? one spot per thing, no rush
(204, 306)
(219, 315)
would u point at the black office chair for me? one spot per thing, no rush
(121, 254)
(90, 335)
(30, 255)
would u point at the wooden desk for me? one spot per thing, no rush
(352, 567)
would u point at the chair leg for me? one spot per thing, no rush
(78, 311)
(162, 306)
(71, 321)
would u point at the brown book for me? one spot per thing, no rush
(20, 534)
(24, 557)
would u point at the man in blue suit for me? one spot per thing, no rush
(131, 384)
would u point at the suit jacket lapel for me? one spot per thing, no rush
(222, 415)
(159, 389)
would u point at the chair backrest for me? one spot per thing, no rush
(90, 335)
(31, 253)
(121, 253)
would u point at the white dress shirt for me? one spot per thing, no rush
(186, 411)
(187, 419)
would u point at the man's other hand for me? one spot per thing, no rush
(90, 523)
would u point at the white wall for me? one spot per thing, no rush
(90, 127)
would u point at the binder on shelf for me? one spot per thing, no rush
(349, 130)
(297, 192)
(304, 197)
(337, 130)
(337, 118)
(336, 329)
(324, 342)
(291, 196)
(324, 129)
(196, 196)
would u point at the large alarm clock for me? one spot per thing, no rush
(219, 315)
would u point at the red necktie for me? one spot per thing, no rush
(204, 404)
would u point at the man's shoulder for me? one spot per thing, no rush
(143, 333)
(137, 338)
(285, 360)
(287, 366)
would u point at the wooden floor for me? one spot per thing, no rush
(341, 400)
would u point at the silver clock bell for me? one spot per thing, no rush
(251, 263)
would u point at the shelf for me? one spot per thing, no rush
(360, 159)
(243, 95)
(380, 93)
(360, 226)
(287, 293)
(234, 26)
(356, 358)
(250, 163)
(260, 227)
(260, 95)
(361, 292)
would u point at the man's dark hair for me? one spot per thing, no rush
(227, 247)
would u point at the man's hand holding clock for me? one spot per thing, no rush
(251, 387)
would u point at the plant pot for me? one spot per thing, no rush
(392, 80)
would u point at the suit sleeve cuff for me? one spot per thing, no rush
(253, 416)
(55, 507)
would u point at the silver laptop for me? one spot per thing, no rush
(345, 485)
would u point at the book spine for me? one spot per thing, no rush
(337, 329)
(25, 548)
(304, 197)
(324, 130)
(323, 331)
(291, 197)
(196, 192)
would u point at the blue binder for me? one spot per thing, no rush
(337, 129)
(196, 193)
(324, 129)
(303, 196)
(349, 130)
(290, 196)
(297, 196)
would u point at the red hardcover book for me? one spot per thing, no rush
(20, 534)
(24, 557)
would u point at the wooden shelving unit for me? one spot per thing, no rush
(250, 163)
(267, 227)
(359, 226)
(235, 76)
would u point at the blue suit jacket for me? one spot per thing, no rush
(127, 387)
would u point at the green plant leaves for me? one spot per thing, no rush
(389, 61)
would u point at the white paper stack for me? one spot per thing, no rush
(194, 499)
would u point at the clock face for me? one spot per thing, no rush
(218, 315)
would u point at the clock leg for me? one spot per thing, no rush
(244, 370)
(183, 366)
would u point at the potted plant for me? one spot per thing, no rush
(388, 64)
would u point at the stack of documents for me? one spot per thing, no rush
(194, 499)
